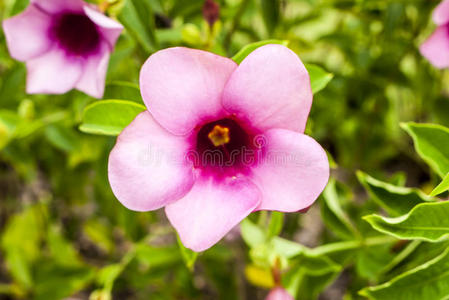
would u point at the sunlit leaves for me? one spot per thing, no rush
(188, 255)
(432, 144)
(442, 187)
(427, 221)
(109, 117)
(319, 78)
(138, 19)
(123, 90)
(333, 215)
(246, 50)
(394, 199)
(427, 281)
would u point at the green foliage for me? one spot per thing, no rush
(427, 281)
(427, 221)
(432, 144)
(246, 50)
(442, 187)
(64, 235)
(109, 117)
(394, 199)
(318, 77)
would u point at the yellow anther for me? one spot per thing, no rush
(219, 135)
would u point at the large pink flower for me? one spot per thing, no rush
(219, 141)
(436, 48)
(65, 43)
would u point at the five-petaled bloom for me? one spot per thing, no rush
(279, 293)
(436, 48)
(65, 43)
(219, 141)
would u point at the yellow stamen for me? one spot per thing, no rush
(219, 135)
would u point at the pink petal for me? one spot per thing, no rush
(293, 172)
(93, 79)
(182, 86)
(271, 88)
(210, 210)
(53, 73)
(57, 6)
(147, 168)
(441, 13)
(27, 33)
(109, 28)
(279, 293)
(436, 48)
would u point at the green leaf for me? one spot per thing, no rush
(333, 215)
(62, 251)
(245, 51)
(123, 90)
(252, 234)
(63, 138)
(432, 144)
(21, 253)
(427, 281)
(286, 248)
(109, 117)
(442, 187)
(58, 282)
(271, 13)
(319, 78)
(427, 221)
(394, 199)
(138, 19)
(188, 255)
(317, 265)
(275, 225)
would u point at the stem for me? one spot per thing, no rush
(341, 246)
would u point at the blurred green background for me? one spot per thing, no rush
(63, 233)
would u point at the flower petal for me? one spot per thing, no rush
(271, 88)
(147, 168)
(27, 33)
(53, 72)
(57, 6)
(441, 13)
(279, 293)
(293, 172)
(109, 28)
(182, 86)
(93, 79)
(210, 210)
(436, 48)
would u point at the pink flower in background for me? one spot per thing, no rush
(279, 293)
(219, 141)
(436, 48)
(65, 43)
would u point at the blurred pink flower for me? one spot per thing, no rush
(278, 293)
(219, 141)
(65, 43)
(436, 47)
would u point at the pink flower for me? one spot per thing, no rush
(219, 141)
(436, 48)
(65, 43)
(279, 293)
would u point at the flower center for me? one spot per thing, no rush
(76, 33)
(224, 147)
(219, 136)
